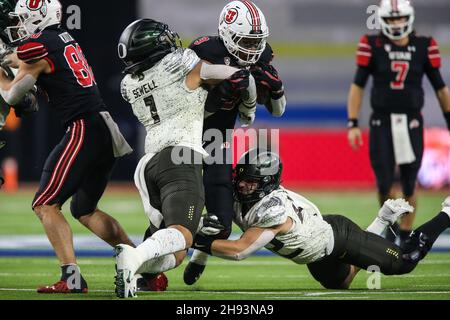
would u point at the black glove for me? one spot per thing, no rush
(211, 226)
(27, 106)
(228, 93)
(266, 75)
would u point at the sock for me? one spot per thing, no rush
(161, 243)
(377, 227)
(435, 226)
(199, 257)
(158, 265)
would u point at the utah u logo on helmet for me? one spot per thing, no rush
(34, 4)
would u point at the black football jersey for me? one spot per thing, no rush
(213, 50)
(398, 71)
(71, 88)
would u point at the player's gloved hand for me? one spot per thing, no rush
(267, 76)
(210, 226)
(27, 106)
(239, 81)
(229, 92)
(392, 210)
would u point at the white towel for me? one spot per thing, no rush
(153, 214)
(120, 145)
(401, 140)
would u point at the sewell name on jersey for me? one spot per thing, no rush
(144, 89)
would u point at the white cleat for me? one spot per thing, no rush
(446, 206)
(392, 210)
(127, 262)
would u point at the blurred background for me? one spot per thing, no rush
(314, 43)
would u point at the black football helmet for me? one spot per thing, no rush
(145, 42)
(261, 166)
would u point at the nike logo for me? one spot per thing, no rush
(199, 245)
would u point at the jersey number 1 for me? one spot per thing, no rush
(401, 68)
(80, 68)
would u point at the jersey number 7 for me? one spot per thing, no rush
(401, 68)
(80, 67)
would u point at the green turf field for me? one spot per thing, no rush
(266, 277)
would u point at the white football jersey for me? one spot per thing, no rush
(171, 113)
(309, 239)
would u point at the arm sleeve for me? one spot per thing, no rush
(433, 65)
(361, 76)
(363, 62)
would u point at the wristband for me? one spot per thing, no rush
(202, 243)
(352, 123)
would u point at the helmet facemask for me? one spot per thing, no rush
(18, 30)
(397, 31)
(246, 48)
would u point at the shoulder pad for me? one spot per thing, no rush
(210, 48)
(271, 212)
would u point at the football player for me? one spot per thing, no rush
(163, 84)
(81, 164)
(242, 43)
(333, 247)
(397, 59)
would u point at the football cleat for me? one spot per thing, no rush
(127, 263)
(192, 273)
(416, 247)
(62, 287)
(392, 210)
(152, 282)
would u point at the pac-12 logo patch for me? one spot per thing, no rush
(35, 5)
(231, 16)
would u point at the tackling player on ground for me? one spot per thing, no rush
(163, 84)
(242, 43)
(333, 247)
(397, 59)
(80, 166)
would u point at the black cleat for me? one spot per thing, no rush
(416, 247)
(192, 273)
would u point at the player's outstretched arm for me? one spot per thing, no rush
(14, 90)
(355, 98)
(251, 241)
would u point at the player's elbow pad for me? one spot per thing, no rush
(278, 106)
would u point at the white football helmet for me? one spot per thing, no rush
(32, 17)
(244, 31)
(396, 9)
